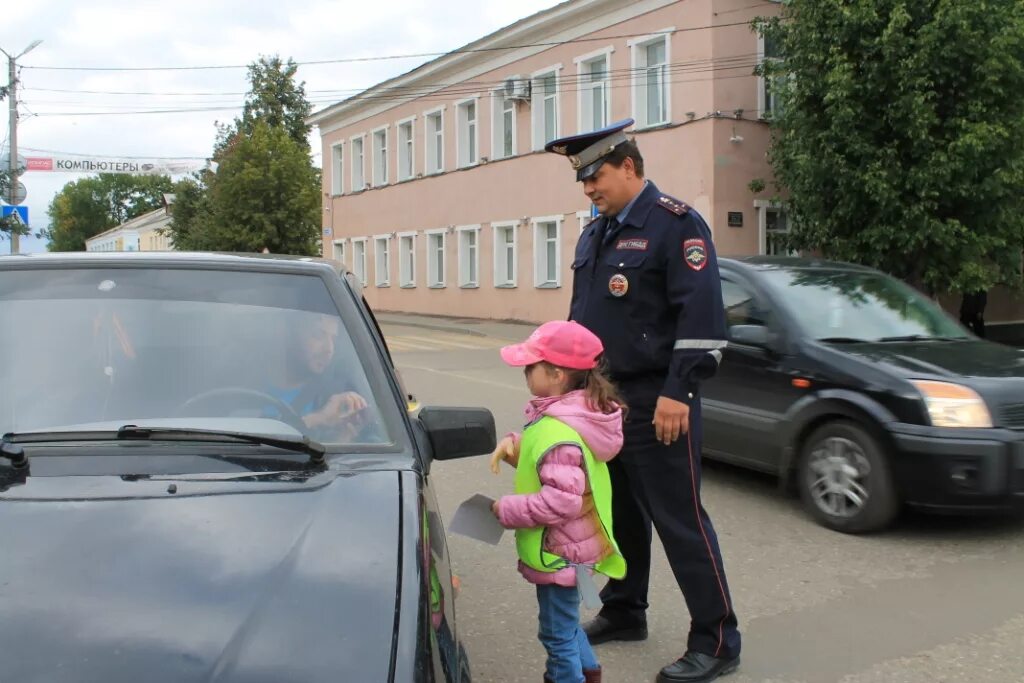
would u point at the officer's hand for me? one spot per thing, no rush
(671, 419)
(506, 451)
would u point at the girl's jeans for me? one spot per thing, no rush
(569, 651)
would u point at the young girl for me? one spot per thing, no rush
(562, 508)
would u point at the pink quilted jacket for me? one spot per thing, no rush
(564, 504)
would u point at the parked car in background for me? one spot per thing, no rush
(863, 394)
(209, 472)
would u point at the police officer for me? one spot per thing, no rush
(645, 280)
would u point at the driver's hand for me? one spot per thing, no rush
(339, 410)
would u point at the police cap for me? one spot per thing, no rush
(588, 151)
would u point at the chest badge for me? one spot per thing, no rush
(618, 285)
(695, 253)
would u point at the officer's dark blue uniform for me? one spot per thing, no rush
(650, 289)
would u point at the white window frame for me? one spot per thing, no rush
(338, 168)
(462, 137)
(379, 179)
(538, 254)
(537, 106)
(762, 206)
(361, 167)
(498, 101)
(465, 281)
(356, 267)
(340, 245)
(639, 85)
(408, 146)
(430, 144)
(500, 255)
(585, 219)
(404, 259)
(763, 109)
(584, 87)
(386, 241)
(437, 280)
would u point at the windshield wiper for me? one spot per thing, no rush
(842, 340)
(299, 444)
(919, 337)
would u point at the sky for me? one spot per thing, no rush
(193, 33)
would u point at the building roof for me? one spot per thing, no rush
(153, 220)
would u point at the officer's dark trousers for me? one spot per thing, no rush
(655, 483)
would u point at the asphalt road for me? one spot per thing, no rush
(936, 599)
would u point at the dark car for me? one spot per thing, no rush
(210, 473)
(863, 393)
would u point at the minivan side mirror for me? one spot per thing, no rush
(458, 432)
(751, 335)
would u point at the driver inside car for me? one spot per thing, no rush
(305, 381)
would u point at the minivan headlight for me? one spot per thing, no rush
(953, 405)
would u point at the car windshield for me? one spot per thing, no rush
(859, 306)
(94, 348)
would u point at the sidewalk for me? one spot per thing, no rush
(477, 327)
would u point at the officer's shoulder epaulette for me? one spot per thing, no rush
(674, 205)
(592, 221)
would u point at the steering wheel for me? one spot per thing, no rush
(244, 396)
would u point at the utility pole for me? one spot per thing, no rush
(12, 101)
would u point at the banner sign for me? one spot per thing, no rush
(60, 164)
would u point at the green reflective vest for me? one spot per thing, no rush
(537, 441)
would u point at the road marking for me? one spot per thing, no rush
(441, 342)
(470, 378)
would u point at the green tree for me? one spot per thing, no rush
(89, 206)
(266, 191)
(265, 194)
(899, 142)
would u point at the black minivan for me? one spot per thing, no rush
(863, 393)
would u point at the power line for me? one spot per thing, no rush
(348, 60)
(112, 156)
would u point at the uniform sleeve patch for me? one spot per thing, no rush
(633, 244)
(676, 207)
(695, 253)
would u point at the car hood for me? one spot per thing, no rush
(218, 582)
(960, 359)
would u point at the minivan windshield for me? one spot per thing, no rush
(860, 306)
(97, 348)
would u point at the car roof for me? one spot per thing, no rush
(763, 263)
(157, 258)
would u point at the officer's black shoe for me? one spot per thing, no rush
(697, 667)
(601, 629)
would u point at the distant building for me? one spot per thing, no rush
(142, 233)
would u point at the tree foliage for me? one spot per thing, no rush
(265, 192)
(900, 139)
(89, 206)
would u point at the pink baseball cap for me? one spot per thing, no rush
(566, 344)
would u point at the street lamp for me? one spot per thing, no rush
(12, 96)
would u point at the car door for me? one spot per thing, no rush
(747, 399)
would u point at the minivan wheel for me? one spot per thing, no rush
(844, 480)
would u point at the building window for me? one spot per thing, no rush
(503, 127)
(435, 258)
(380, 157)
(505, 257)
(768, 87)
(407, 260)
(650, 81)
(434, 142)
(359, 259)
(358, 164)
(382, 262)
(468, 141)
(545, 108)
(339, 251)
(547, 252)
(773, 225)
(406, 160)
(337, 168)
(595, 92)
(469, 256)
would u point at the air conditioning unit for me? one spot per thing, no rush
(517, 88)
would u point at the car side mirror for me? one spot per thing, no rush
(458, 432)
(751, 335)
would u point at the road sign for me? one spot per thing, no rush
(20, 213)
(20, 192)
(593, 211)
(5, 162)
